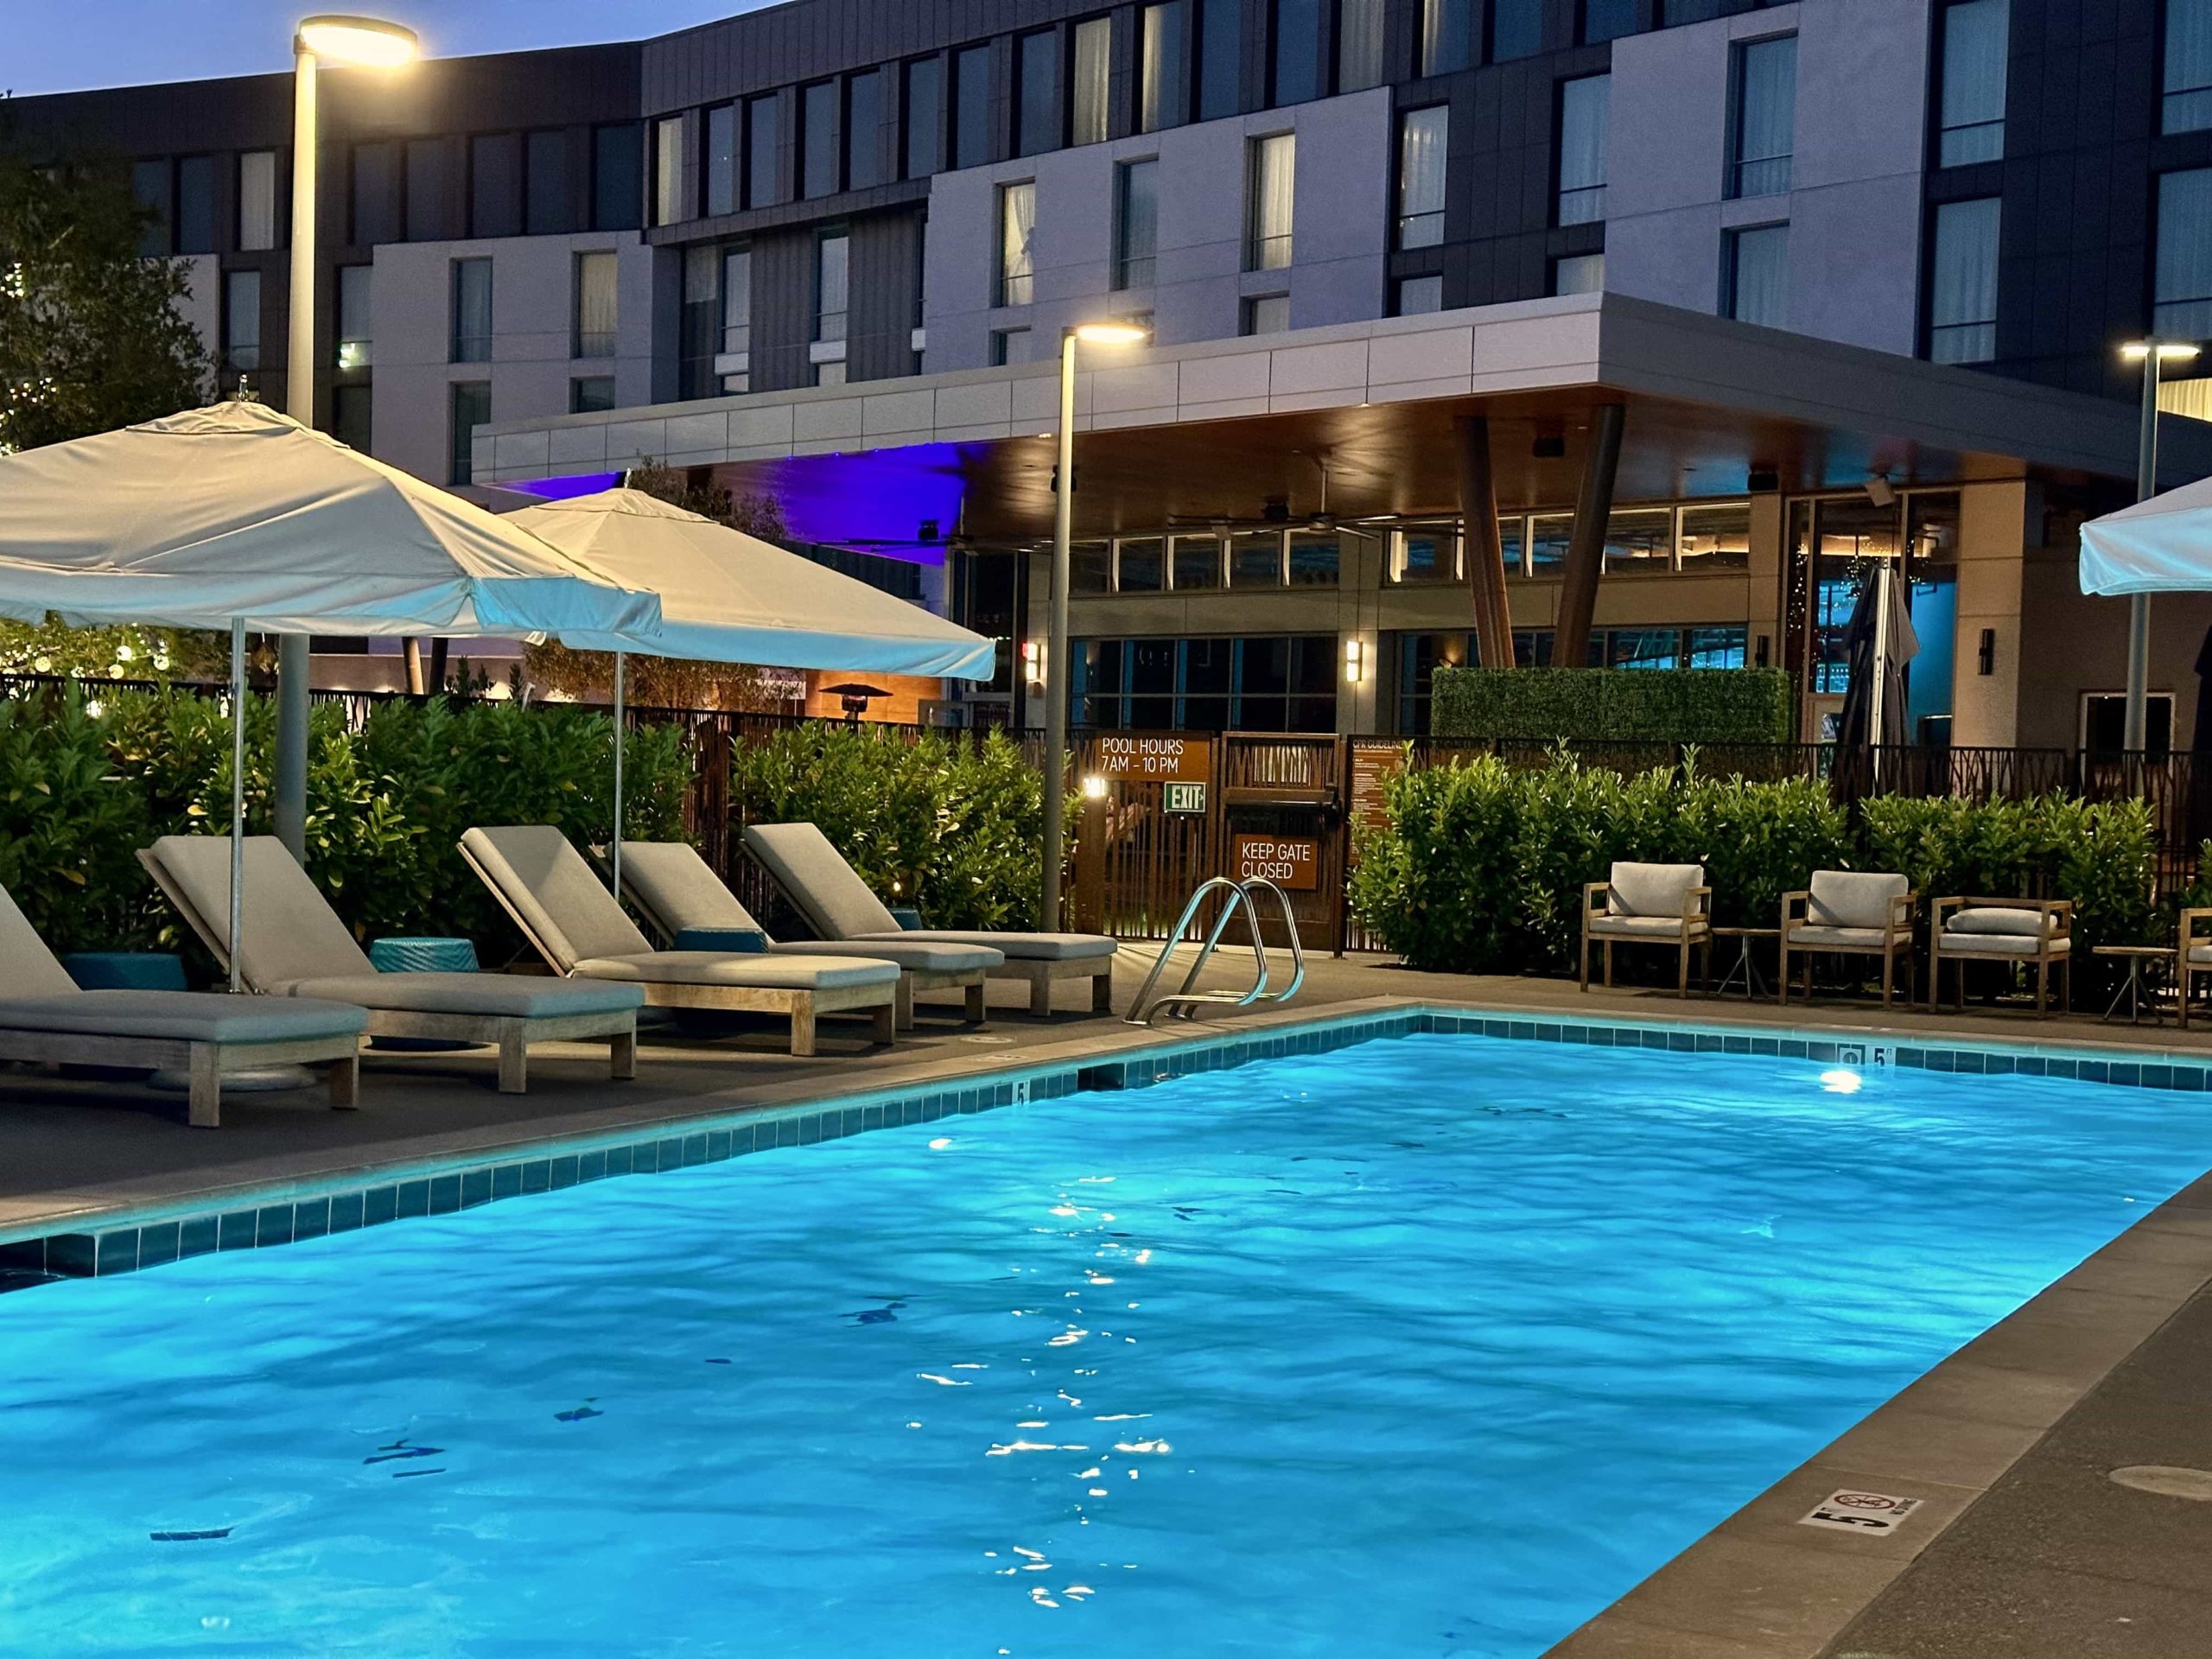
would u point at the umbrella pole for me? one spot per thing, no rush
(237, 797)
(618, 724)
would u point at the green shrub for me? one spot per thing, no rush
(1732, 705)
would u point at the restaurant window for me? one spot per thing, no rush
(356, 316)
(472, 311)
(831, 292)
(1447, 35)
(495, 184)
(1270, 192)
(1758, 275)
(925, 117)
(1164, 75)
(150, 189)
(1716, 538)
(1639, 540)
(818, 150)
(971, 113)
(1548, 535)
(1963, 295)
(375, 195)
(1517, 30)
(1286, 683)
(1090, 566)
(591, 394)
(1255, 558)
(1087, 90)
(1714, 647)
(547, 210)
(1422, 139)
(195, 205)
(1360, 45)
(427, 219)
(864, 130)
(1037, 74)
(471, 407)
(1136, 223)
(1583, 106)
(241, 323)
(617, 176)
(1140, 564)
(1195, 562)
(1295, 69)
(2187, 81)
(595, 303)
(2184, 309)
(352, 417)
(1221, 58)
(1975, 48)
(257, 200)
(1017, 243)
(763, 175)
(1315, 558)
(1765, 117)
(1420, 655)
(1266, 314)
(1426, 553)
(1579, 273)
(1607, 20)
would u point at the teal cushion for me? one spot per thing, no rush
(125, 970)
(427, 955)
(737, 941)
(906, 916)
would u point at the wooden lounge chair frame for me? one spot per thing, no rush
(1897, 942)
(2058, 923)
(206, 1063)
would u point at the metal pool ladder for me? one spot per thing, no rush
(1183, 1001)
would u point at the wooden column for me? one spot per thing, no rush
(1586, 549)
(1493, 619)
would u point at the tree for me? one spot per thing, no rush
(669, 682)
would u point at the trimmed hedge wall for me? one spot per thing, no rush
(1481, 867)
(1695, 705)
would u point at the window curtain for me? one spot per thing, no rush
(737, 300)
(1963, 310)
(1766, 115)
(1274, 163)
(2188, 65)
(2185, 271)
(1583, 109)
(1976, 36)
(829, 289)
(1018, 233)
(1164, 83)
(1422, 135)
(257, 199)
(1762, 275)
(1140, 224)
(1360, 45)
(595, 304)
(1446, 35)
(1092, 42)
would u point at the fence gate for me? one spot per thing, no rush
(1149, 838)
(1281, 818)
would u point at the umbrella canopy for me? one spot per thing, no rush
(237, 513)
(2160, 546)
(1877, 644)
(727, 597)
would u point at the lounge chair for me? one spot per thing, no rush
(565, 911)
(1851, 913)
(1666, 905)
(295, 945)
(2036, 933)
(676, 890)
(46, 1019)
(837, 904)
(2192, 959)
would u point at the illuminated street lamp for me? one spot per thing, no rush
(2151, 354)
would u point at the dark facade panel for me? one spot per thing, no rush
(782, 309)
(886, 251)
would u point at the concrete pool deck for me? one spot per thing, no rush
(2021, 1545)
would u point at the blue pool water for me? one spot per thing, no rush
(1429, 1346)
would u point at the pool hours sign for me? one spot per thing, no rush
(1154, 760)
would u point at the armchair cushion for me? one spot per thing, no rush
(1641, 927)
(1652, 889)
(1998, 919)
(2000, 944)
(1853, 898)
(1812, 936)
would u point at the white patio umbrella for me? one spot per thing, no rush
(236, 518)
(2163, 545)
(727, 597)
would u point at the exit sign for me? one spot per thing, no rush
(1186, 797)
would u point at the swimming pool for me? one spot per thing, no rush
(1428, 1345)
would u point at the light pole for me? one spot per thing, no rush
(364, 40)
(1055, 675)
(2151, 354)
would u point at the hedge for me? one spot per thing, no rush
(1481, 867)
(1696, 705)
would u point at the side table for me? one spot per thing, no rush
(1755, 984)
(2139, 993)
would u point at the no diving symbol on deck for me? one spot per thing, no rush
(1857, 1512)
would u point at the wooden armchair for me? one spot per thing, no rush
(1664, 904)
(1851, 913)
(2026, 932)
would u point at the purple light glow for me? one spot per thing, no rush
(568, 488)
(875, 501)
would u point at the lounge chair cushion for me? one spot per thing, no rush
(563, 903)
(2000, 944)
(1853, 898)
(1811, 936)
(835, 902)
(291, 932)
(774, 970)
(1997, 919)
(1668, 928)
(496, 996)
(927, 956)
(1651, 889)
(678, 889)
(2200, 953)
(27, 967)
(1015, 947)
(182, 1016)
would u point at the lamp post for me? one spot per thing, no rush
(333, 39)
(1056, 630)
(2151, 354)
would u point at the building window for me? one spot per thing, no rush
(1009, 346)
(1716, 538)
(1607, 20)
(472, 408)
(1315, 556)
(495, 184)
(1194, 563)
(668, 171)
(1270, 189)
(1221, 58)
(351, 417)
(547, 210)
(2188, 79)
(595, 305)
(375, 195)
(149, 189)
(1360, 45)
(1765, 116)
(1422, 142)
(2185, 269)
(1255, 559)
(1517, 30)
(427, 220)
(832, 286)
(1164, 75)
(257, 200)
(1962, 299)
(864, 167)
(971, 114)
(195, 205)
(925, 117)
(1758, 275)
(1583, 106)
(715, 322)
(1579, 273)
(1975, 44)
(1447, 35)
(817, 140)
(721, 147)
(736, 362)
(472, 311)
(1088, 93)
(1418, 296)
(763, 178)
(617, 176)
(1295, 76)
(1425, 553)
(1136, 224)
(591, 394)
(1017, 243)
(1036, 94)
(241, 323)
(1140, 564)
(1266, 314)
(356, 317)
